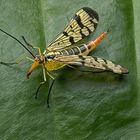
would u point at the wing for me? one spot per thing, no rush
(92, 62)
(82, 24)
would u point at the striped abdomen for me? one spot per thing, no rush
(75, 50)
(83, 49)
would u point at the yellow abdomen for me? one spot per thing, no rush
(53, 65)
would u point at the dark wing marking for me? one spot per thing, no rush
(92, 62)
(82, 24)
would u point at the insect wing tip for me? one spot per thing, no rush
(91, 12)
(125, 71)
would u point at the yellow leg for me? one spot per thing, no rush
(39, 51)
(41, 83)
(72, 67)
(30, 59)
(50, 76)
(50, 88)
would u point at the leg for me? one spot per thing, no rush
(48, 98)
(42, 83)
(50, 88)
(17, 61)
(28, 44)
(72, 67)
(8, 64)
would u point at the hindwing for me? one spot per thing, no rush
(91, 62)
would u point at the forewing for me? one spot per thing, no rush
(82, 24)
(92, 62)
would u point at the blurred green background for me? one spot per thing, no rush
(84, 106)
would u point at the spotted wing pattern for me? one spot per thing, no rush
(82, 24)
(92, 62)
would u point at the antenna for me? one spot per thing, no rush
(18, 42)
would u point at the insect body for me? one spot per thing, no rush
(51, 59)
(61, 52)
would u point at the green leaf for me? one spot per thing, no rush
(82, 105)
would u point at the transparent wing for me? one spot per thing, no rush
(82, 24)
(91, 62)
